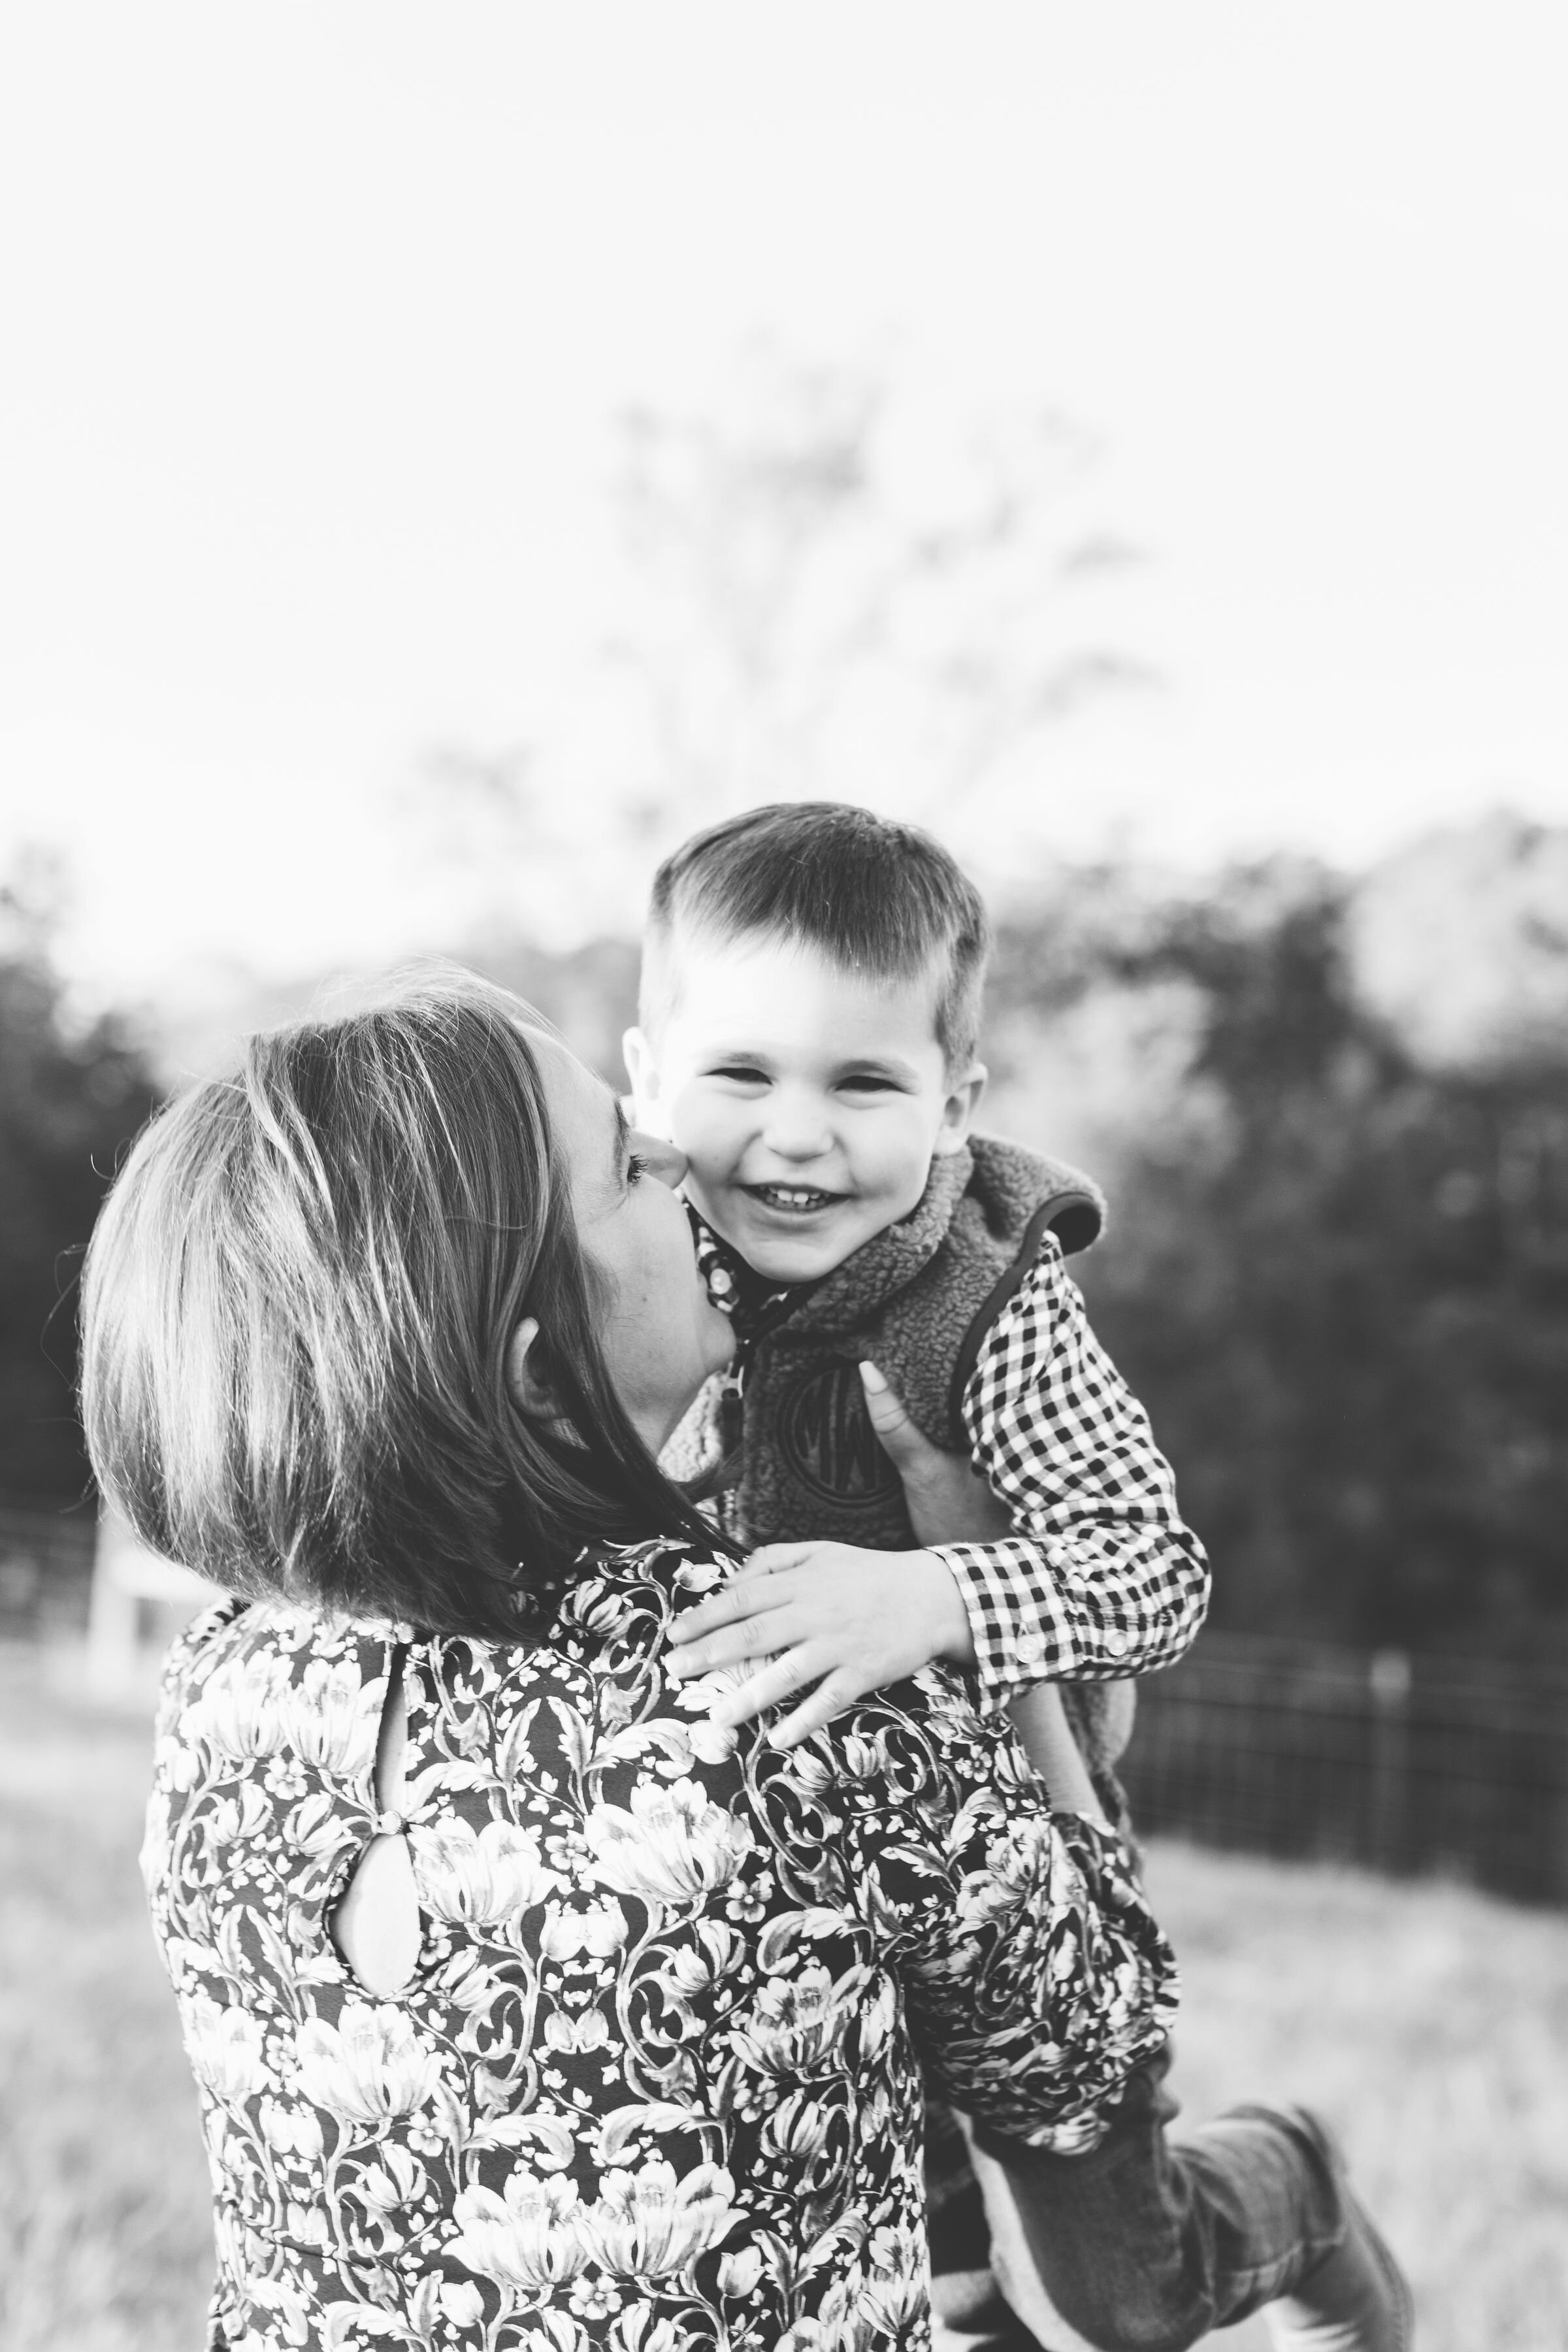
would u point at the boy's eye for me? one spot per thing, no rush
(745, 1072)
(867, 1082)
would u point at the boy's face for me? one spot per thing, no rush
(809, 1101)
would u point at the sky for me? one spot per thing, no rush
(317, 321)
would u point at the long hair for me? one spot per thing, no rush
(296, 1309)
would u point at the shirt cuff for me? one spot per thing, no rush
(1020, 1633)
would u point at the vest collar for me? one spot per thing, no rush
(869, 1276)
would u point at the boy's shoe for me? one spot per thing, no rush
(1356, 2300)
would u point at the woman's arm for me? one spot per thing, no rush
(1034, 1977)
(1040, 1721)
(1037, 1979)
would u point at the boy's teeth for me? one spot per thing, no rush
(792, 1196)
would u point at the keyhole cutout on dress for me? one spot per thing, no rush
(376, 1926)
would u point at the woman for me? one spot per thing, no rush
(526, 2006)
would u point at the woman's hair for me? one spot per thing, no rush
(296, 1311)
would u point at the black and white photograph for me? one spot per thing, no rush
(783, 1177)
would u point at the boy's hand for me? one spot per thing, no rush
(948, 1500)
(825, 1613)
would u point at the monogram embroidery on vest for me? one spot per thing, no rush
(825, 1436)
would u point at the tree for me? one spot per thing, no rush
(1343, 1295)
(820, 597)
(70, 1099)
(830, 601)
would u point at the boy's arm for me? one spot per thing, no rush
(1100, 1579)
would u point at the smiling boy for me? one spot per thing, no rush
(810, 1008)
(809, 1016)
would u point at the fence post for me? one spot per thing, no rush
(1388, 1675)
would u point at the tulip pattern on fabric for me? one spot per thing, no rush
(653, 2086)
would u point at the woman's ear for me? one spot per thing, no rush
(526, 1389)
(528, 1384)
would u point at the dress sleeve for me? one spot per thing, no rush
(1034, 1977)
(1101, 1579)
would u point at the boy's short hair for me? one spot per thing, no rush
(874, 896)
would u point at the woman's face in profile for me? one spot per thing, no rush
(664, 1336)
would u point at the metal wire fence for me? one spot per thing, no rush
(1408, 1764)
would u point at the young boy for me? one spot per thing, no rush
(809, 1015)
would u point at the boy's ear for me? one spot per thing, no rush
(958, 1111)
(642, 1069)
(526, 1389)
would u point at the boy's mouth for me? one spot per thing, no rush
(791, 1199)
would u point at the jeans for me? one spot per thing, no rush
(1147, 2244)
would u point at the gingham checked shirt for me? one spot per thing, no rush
(1101, 1580)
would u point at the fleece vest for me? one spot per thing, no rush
(919, 1299)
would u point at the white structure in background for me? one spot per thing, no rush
(139, 1603)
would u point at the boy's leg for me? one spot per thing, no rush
(1145, 2245)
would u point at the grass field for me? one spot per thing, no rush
(1430, 2024)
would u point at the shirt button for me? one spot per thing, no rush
(1116, 1646)
(1031, 1650)
(389, 1824)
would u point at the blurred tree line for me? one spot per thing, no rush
(1337, 1278)
(71, 1096)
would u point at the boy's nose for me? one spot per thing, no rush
(797, 1130)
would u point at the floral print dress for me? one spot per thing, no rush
(653, 2085)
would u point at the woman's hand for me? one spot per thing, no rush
(947, 1498)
